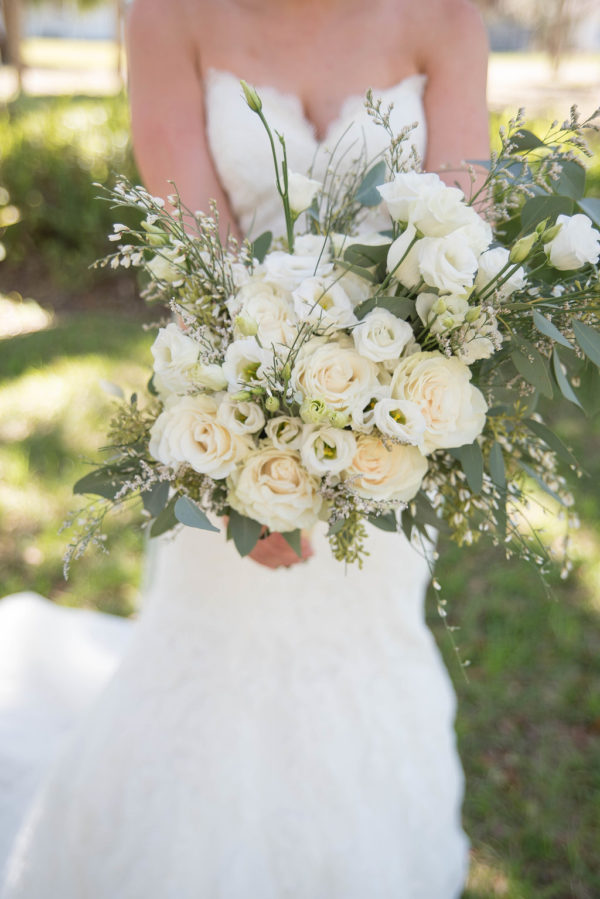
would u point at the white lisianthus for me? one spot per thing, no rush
(318, 301)
(380, 335)
(327, 450)
(210, 376)
(240, 417)
(403, 259)
(479, 338)
(490, 264)
(441, 313)
(357, 288)
(273, 487)
(454, 410)
(301, 191)
(383, 472)
(245, 362)
(474, 347)
(165, 265)
(289, 270)
(363, 414)
(187, 431)
(447, 263)
(405, 194)
(400, 419)
(285, 432)
(576, 244)
(270, 307)
(334, 372)
(175, 355)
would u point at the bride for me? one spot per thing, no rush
(276, 727)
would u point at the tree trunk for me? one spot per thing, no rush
(13, 14)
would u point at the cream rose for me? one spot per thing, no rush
(454, 410)
(187, 431)
(577, 243)
(335, 373)
(274, 488)
(270, 307)
(380, 335)
(393, 472)
(327, 450)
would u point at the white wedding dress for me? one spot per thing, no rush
(268, 734)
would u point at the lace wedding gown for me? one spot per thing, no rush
(269, 734)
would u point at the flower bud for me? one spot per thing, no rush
(551, 233)
(286, 372)
(541, 227)
(241, 396)
(439, 306)
(156, 236)
(246, 326)
(473, 314)
(252, 98)
(313, 412)
(338, 419)
(271, 404)
(522, 248)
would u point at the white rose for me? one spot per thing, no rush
(400, 419)
(274, 488)
(240, 418)
(404, 195)
(270, 306)
(245, 362)
(383, 472)
(289, 270)
(323, 303)
(577, 243)
(187, 431)
(447, 263)
(490, 264)
(454, 410)
(380, 335)
(301, 191)
(167, 265)
(327, 450)
(175, 355)
(285, 432)
(335, 373)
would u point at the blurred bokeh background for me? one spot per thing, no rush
(529, 712)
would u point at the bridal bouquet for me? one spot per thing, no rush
(344, 372)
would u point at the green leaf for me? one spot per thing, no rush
(151, 388)
(425, 513)
(533, 474)
(365, 255)
(534, 368)
(336, 527)
(260, 246)
(358, 270)
(386, 522)
(166, 520)
(562, 380)
(590, 206)
(156, 498)
(189, 513)
(549, 329)
(525, 140)
(471, 460)
(588, 391)
(367, 193)
(104, 482)
(588, 339)
(572, 180)
(551, 440)
(537, 209)
(244, 532)
(294, 540)
(496, 466)
(401, 307)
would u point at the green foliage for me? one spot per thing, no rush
(52, 150)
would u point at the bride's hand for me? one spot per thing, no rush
(275, 552)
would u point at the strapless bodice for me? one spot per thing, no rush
(242, 154)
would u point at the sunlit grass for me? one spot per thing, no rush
(65, 53)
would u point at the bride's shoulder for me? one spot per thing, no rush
(447, 27)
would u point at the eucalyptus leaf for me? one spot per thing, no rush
(336, 527)
(189, 513)
(551, 440)
(588, 391)
(590, 206)
(534, 368)
(156, 498)
(166, 520)
(386, 522)
(367, 193)
(357, 270)
(365, 255)
(104, 482)
(496, 466)
(401, 307)
(260, 247)
(244, 532)
(525, 140)
(549, 329)
(471, 460)
(535, 476)
(572, 180)
(537, 209)
(294, 540)
(562, 380)
(588, 339)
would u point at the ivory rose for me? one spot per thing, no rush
(380, 472)
(334, 372)
(273, 487)
(454, 410)
(187, 431)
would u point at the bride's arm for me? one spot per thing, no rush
(454, 57)
(167, 107)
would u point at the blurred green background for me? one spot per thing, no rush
(529, 713)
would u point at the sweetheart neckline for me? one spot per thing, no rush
(291, 97)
